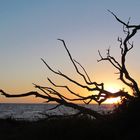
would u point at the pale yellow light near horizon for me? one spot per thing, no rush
(110, 85)
(112, 89)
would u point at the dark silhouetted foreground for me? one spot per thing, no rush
(123, 124)
(81, 127)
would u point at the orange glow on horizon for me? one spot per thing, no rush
(113, 89)
(113, 100)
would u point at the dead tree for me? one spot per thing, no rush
(100, 94)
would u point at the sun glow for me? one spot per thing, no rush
(116, 100)
(113, 100)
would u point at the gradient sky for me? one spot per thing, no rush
(29, 30)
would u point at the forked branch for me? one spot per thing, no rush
(82, 109)
(125, 47)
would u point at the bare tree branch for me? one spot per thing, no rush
(97, 86)
(127, 25)
(109, 58)
(84, 71)
(124, 74)
(66, 88)
(82, 109)
(72, 60)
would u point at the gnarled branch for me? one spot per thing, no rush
(125, 47)
(82, 109)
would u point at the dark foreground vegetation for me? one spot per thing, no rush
(123, 124)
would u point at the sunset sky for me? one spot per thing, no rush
(29, 30)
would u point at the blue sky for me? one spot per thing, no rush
(29, 30)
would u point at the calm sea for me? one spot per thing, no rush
(36, 111)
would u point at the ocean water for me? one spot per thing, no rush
(34, 112)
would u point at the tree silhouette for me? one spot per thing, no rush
(99, 93)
